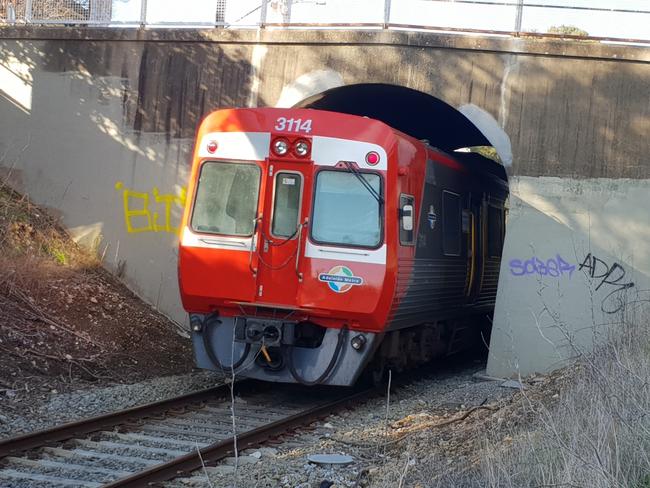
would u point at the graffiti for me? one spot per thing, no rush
(144, 212)
(610, 278)
(555, 267)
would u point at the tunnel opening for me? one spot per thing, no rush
(450, 130)
(417, 114)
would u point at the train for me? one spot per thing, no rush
(318, 247)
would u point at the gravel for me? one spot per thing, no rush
(359, 433)
(57, 408)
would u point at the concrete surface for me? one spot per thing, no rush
(98, 123)
(592, 237)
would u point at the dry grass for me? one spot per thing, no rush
(595, 435)
(65, 321)
(587, 426)
(29, 233)
(598, 433)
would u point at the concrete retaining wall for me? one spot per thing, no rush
(576, 262)
(97, 125)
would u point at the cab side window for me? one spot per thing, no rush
(451, 223)
(495, 231)
(406, 220)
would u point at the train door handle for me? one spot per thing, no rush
(256, 222)
(298, 273)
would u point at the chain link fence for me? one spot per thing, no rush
(56, 11)
(626, 19)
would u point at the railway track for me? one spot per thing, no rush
(163, 440)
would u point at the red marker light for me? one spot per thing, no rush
(212, 147)
(372, 158)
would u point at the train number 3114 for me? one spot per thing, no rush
(293, 125)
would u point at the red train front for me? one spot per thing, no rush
(309, 246)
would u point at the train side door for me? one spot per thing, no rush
(282, 232)
(474, 219)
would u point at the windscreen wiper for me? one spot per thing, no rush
(353, 169)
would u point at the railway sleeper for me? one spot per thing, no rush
(158, 429)
(44, 480)
(109, 447)
(155, 441)
(213, 425)
(137, 463)
(64, 466)
(58, 470)
(69, 458)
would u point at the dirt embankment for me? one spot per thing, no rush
(66, 323)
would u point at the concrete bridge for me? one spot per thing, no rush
(97, 124)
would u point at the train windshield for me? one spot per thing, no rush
(226, 199)
(345, 211)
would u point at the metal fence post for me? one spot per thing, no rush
(286, 14)
(263, 13)
(518, 18)
(386, 13)
(143, 14)
(11, 14)
(28, 11)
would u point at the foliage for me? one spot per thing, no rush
(28, 231)
(568, 30)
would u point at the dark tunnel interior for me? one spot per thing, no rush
(410, 111)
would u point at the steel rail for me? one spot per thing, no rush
(18, 444)
(184, 465)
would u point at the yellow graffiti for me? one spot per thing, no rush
(144, 214)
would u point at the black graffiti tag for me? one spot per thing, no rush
(610, 277)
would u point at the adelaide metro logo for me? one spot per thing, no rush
(340, 279)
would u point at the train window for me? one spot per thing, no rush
(406, 212)
(451, 223)
(286, 204)
(345, 211)
(226, 199)
(495, 231)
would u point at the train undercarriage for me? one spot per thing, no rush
(284, 351)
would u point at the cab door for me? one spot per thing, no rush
(282, 233)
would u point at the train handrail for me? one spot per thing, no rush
(302, 226)
(256, 222)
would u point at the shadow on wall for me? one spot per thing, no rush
(106, 138)
(565, 116)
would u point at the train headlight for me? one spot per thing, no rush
(357, 342)
(196, 323)
(302, 148)
(280, 147)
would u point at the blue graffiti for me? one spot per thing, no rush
(555, 267)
